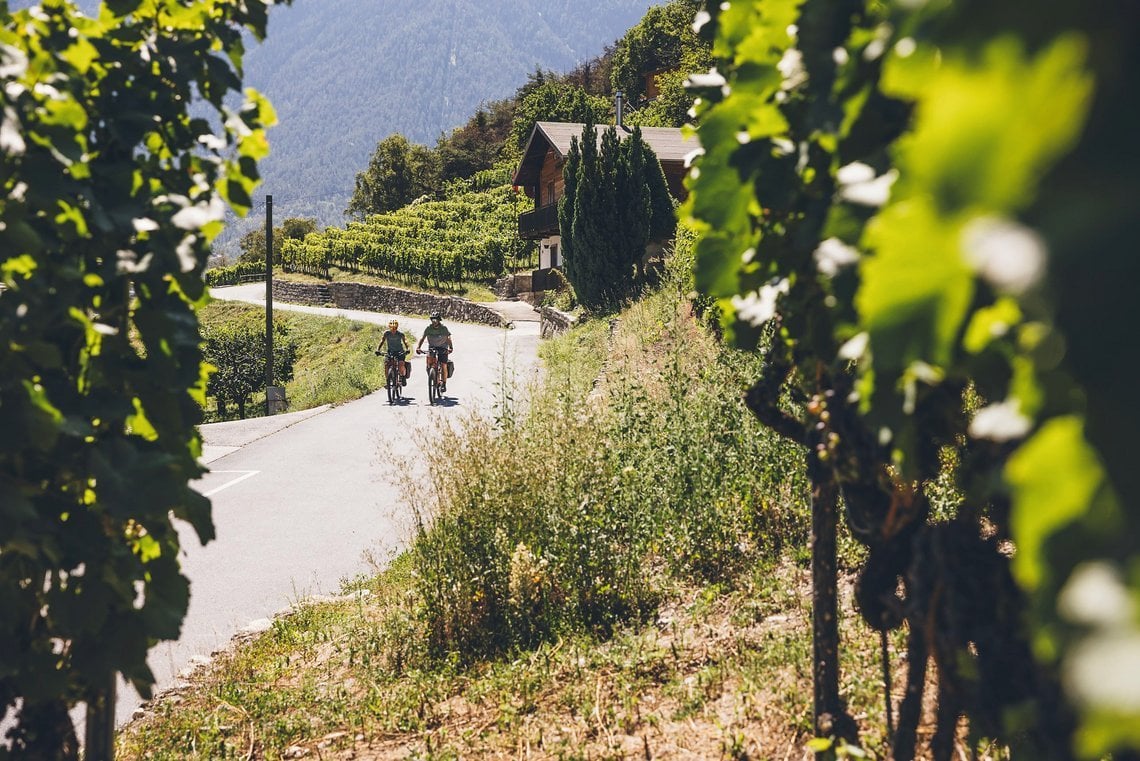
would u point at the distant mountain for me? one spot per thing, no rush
(344, 74)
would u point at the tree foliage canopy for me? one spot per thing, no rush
(478, 145)
(236, 349)
(112, 189)
(252, 244)
(398, 173)
(662, 45)
(556, 101)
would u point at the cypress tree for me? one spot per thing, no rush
(587, 229)
(578, 177)
(662, 214)
(612, 243)
(635, 207)
(566, 204)
(615, 202)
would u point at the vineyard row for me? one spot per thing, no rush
(438, 243)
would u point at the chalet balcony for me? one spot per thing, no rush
(539, 223)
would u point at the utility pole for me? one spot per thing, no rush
(269, 292)
(269, 305)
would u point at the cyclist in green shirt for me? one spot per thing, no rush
(439, 344)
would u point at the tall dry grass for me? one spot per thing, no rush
(576, 513)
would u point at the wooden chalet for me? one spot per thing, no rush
(539, 174)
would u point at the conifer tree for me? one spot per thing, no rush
(566, 203)
(582, 264)
(634, 208)
(613, 242)
(615, 202)
(662, 213)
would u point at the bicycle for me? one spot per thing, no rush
(393, 380)
(437, 383)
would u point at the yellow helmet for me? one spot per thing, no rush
(393, 324)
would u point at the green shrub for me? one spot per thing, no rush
(333, 361)
(236, 349)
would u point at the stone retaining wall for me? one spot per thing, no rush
(309, 294)
(554, 321)
(382, 298)
(530, 287)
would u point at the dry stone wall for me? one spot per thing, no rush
(382, 298)
(309, 294)
(523, 286)
(554, 322)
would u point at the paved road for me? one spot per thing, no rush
(304, 500)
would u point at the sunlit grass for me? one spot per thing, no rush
(720, 672)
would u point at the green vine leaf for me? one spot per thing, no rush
(1054, 477)
(108, 209)
(924, 144)
(996, 124)
(916, 289)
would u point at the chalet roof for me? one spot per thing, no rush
(667, 142)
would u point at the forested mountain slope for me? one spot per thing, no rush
(344, 74)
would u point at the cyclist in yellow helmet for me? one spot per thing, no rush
(395, 345)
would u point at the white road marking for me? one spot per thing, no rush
(232, 481)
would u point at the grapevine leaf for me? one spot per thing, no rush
(994, 127)
(916, 288)
(1053, 478)
(43, 418)
(990, 323)
(81, 55)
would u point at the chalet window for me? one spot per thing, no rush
(554, 255)
(549, 193)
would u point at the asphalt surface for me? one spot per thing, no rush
(306, 500)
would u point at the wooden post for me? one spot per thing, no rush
(825, 607)
(99, 737)
(268, 303)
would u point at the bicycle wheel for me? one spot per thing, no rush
(393, 385)
(433, 384)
